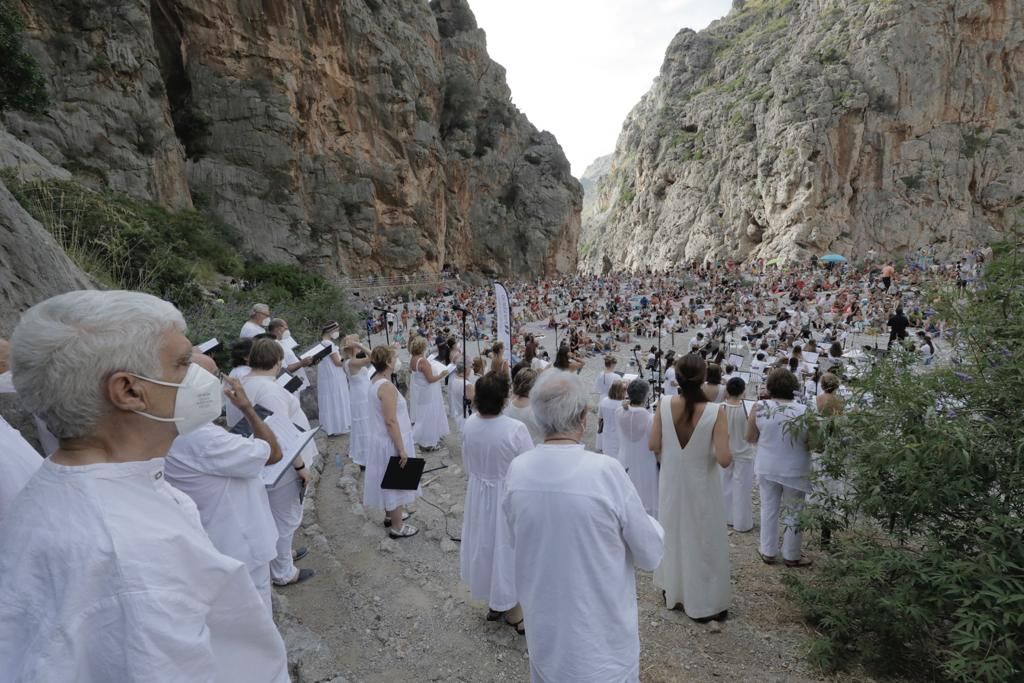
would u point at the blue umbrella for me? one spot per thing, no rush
(833, 258)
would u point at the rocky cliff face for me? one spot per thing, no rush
(354, 138)
(795, 127)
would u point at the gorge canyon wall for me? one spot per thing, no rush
(792, 128)
(352, 138)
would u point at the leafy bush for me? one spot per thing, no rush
(22, 85)
(132, 244)
(461, 102)
(306, 311)
(926, 576)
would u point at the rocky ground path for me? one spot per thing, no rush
(381, 610)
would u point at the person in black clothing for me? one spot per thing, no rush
(898, 324)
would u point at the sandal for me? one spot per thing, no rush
(767, 559)
(494, 615)
(799, 564)
(406, 531)
(518, 626)
(405, 516)
(299, 554)
(303, 575)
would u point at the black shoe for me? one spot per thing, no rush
(299, 554)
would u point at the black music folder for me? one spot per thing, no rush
(403, 478)
(243, 428)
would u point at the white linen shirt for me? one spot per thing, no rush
(250, 330)
(578, 529)
(114, 579)
(220, 472)
(18, 462)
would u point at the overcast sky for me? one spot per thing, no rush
(576, 67)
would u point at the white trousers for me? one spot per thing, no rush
(261, 579)
(287, 511)
(776, 498)
(737, 491)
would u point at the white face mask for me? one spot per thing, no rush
(6, 383)
(198, 401)
(265, 322)
(335, 335)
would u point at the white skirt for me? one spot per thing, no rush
(359, 442)
(380, 452)
(431, 419)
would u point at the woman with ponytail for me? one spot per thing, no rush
(690, 437)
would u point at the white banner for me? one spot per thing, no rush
(503, 311)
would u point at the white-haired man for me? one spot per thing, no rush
(259, 319)
(114, 578)
(579, 529)
(221, 471)
(18, 460)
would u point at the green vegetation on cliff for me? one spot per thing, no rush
(186, 257)
(21, 83)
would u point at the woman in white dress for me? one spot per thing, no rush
(607, 425)
(390, 436)
(738, 478)
(265, 359)
(604, 381)
(634, 421)
(713, 387)
(519, 407)
(332, 393)
(430, 421)
(490, 441)
(782, 465)
(691, 439)
(357, 367)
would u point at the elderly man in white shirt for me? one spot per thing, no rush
(259, 319)
(220, 472)
(114, 578)
(576, 578)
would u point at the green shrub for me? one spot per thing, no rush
(926, 575)
(22, 85)
(306, 313)
(186, 257)
(461, 103)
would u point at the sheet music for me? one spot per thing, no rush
(291, 440)
(208, 344)
(736, 360)
(312, 352)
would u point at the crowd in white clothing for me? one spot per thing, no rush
(174, 523)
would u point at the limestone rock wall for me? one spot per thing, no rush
(792, 128)
(357, 137)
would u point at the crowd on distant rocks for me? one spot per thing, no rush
(150, 536)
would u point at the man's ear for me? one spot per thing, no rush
(124, 392)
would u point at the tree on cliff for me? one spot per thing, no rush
(21, 83)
